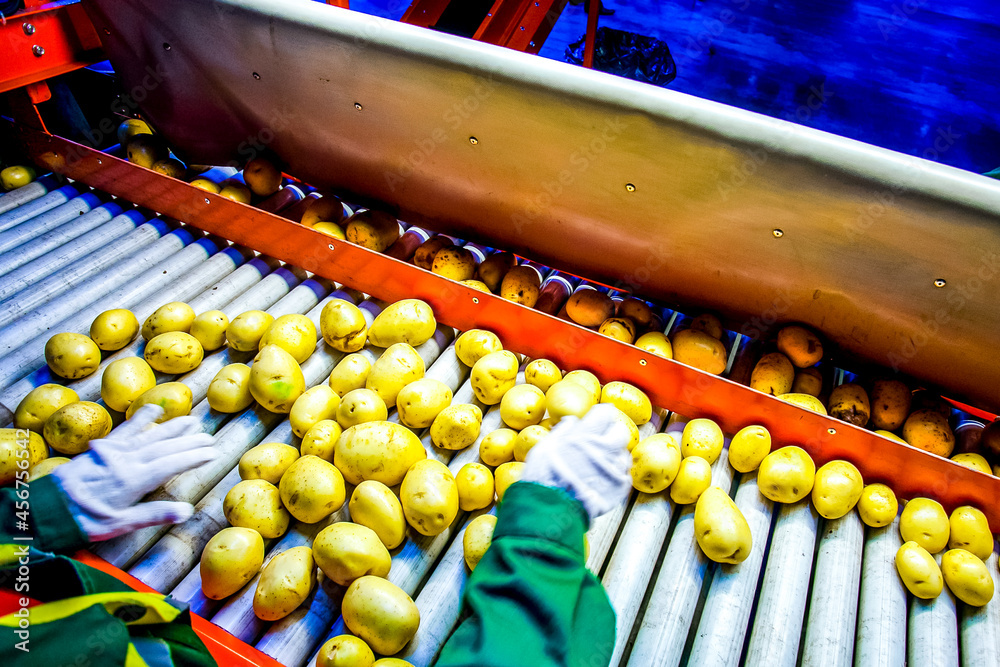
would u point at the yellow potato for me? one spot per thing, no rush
(229, 390)
(20, 451)
(493, 269)
(409, 321)
(39, 405)
(429, 496)
(656, 460)
(230, 559)
(398, 366)
(630, 426)
(837, 489)
(72, 355)
(174, 352)
(423, 256)
(324, 209)
(542, 373)
(493, 375)
(114, 329)
(505, 475)
(786, 475)
(967, 577)
(209, 328)
(720, 528)
(284, 584)
(475, 344)
(236, 191)
(360, 406)
(805, 401)
(849, 403)
(808, 381)
(256, 504)
(455, 263)
(918, 571)
(890, 404)
(619, 328)
(522, 406)
(331, 229)
(170, 167)
(345, 651)
(294, 333)
(973, 461)
(527, 439)
(419, 402)
(16, 176)
(375, 230)
(521, 285)
(700, 350)
(350, 374)
(589, 308)
(276, 379)
(206, 185)
(70, 429)
(475, 487)
(497, 447)
(969, 530)
(891, 436)
(380, 613)
(773, 374)
(709, 324)
(267, 461)
(124, 381)
(694, 476)
(704, 438)
(173, 316)
(588, 381)
(477, 539)
(629, 399)
(656, 343)
(476, 285)
(457, 426)
(566, 398)
(246, 329)
(146, 149)
(321, 439)
(346, 551)
(343, 326)
(382, 451)
(173, 397)
(262, 177)
(929, 430)
(749, 447)
(802, 347)
(925, 522)
(312, 489)
(877, 506)
(314, 405)
(43, 467)
(373, 504)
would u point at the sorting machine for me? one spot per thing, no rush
(640, 190)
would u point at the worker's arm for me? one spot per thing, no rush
(38, 515)
(531, 599)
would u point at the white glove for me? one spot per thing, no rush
(585, 457)
(104, 485)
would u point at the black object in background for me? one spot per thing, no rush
(8, 7)
(627, 54)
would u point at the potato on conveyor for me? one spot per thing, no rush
(429, 496)
(423, 256)
(380, 613)
(589, 308)
(39, 405)
(262, 177)
(457, 426)
(505, 475)
(72, 355)
(114, 329)
(173, 316)
(276, 379)
(521, 285)
(174, 352)
(786, 475)
(321, 439)
(475, 344)
(125, 380)
(294, 333)
(360, 406)
(928, 430)
(284, 584)
(398, 366)
(267, 461)
(477, 539)
(542, 373)
(808, 381)
(345, 651)
(314, 405)
(698, 349)
(229, 390)
(837, 489)
(346, 551)
(70, 429)
(210, 329)
(849, 403)
(246, 329)
(638, 312)
(720, 528)
(497, 447)
(526, 441)
(925, 522)
(522, 406)
(493, 376)
(230, 559)
(382, 451)
(629, 399)
(475, 487)
(494, 268)
(773, 374)
(375, 230)
(890, 404)
(420, 402)
(918, 571)
(312, 489)
(456, 263)
(408, 321)
(619, 328)
(656, 461)
(656, 343)
(12, 443)
(693, 477)
(350, 374)
(802, 347)
(967, 577)
(373, 504)
(256, 504)
(174, 397)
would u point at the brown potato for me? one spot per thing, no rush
(375, 230)
(619, 328)
(708, 323)
(802, 347)
(928, 430)
(493, 269)
(423, 256)
(589, 308)
(808, 381)
(773, 374)
(890, 403)
(637, 311)
(849, 403)
(455, 263)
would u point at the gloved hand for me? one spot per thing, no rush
(105, 483)
(585, 457)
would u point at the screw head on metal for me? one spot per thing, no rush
(357, 105)
(778, 233)
(28, 28)
(473, 141)
(38, 51)
(831, 431)
(166, 47)
(256, 76)
(330, 246)
(940, 282)
(629, 187)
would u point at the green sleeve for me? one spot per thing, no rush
(39, 510)
(993, 174)
(531, 599)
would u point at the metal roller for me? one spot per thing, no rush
(39, 206)
(72, 210)
(881, 633)
(27, 193)
(833, 607)
(980, 626)
(932, 630)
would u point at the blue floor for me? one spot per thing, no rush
(918, 77)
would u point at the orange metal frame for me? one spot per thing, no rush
(522, 25)
(909, 471)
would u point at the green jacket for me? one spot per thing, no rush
(531, 600)
(87, 617)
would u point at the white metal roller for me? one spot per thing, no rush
(932, 630)
(980, 626)
(833, 607)
(35, 207)
(27, 193)
(667, 619)
(724, 618)
(11, 237)
(93, 224)
(777, 623)
(262, 296)
(233, 286)
(881, 632)
(190, 263)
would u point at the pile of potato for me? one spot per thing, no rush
(789, 475)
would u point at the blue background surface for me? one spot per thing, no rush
(917, 77)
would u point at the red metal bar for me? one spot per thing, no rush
(224, 647)
(909, 471)
(47, 40)
(522, 25)
(424, 13)
(593, 12)
(345, 4)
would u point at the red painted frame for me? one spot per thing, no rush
(909, 471)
